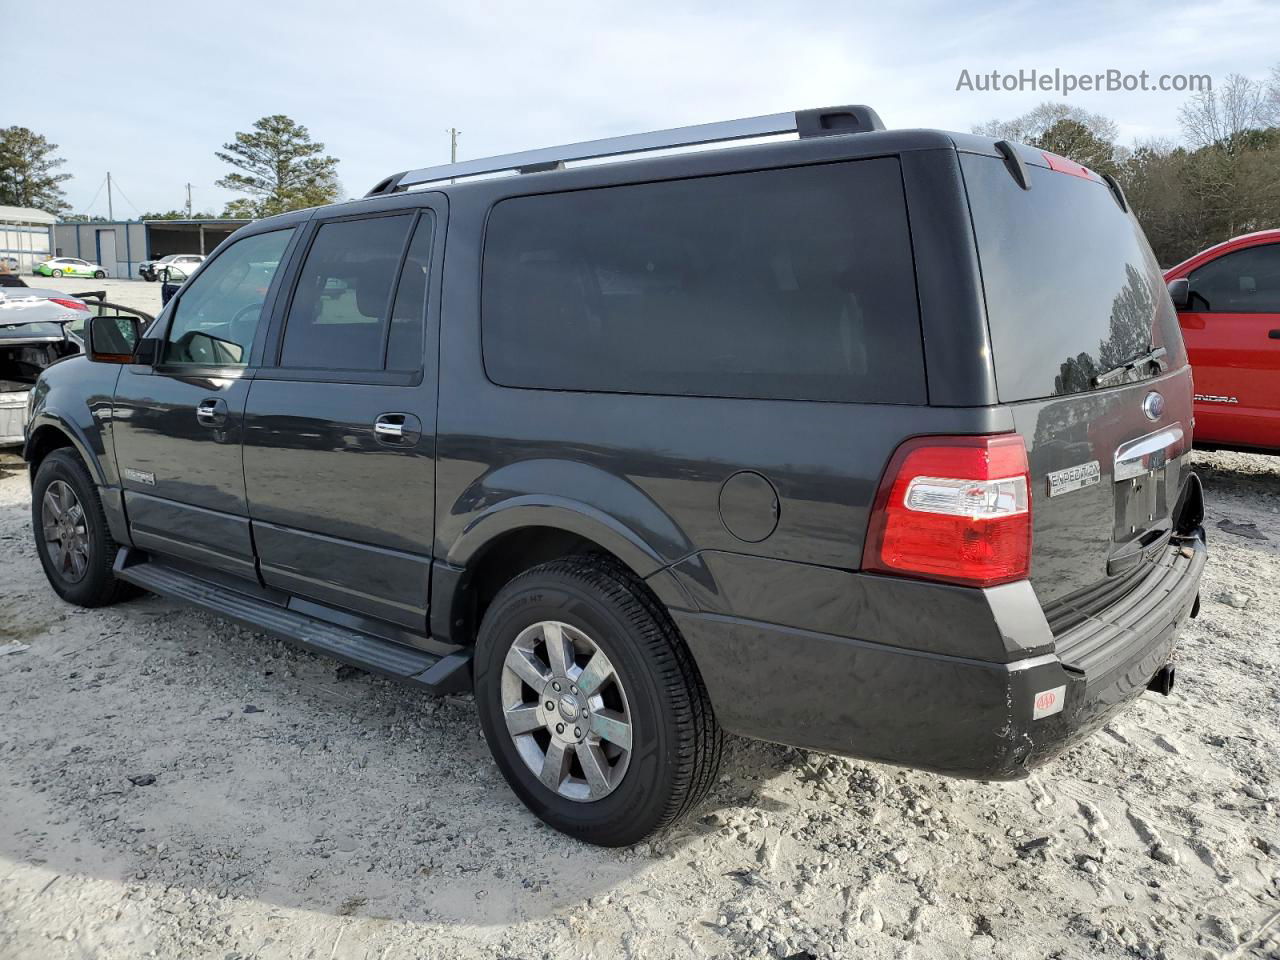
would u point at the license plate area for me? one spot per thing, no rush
(1145, 471)
(1142, 501)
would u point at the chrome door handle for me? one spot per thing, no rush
(211, 411)
(397, 430)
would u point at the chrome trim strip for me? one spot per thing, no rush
(1133, 459)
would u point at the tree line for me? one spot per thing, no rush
(1221, 180)
(277, 166)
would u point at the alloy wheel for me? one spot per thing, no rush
(66, 533)
(566, 711)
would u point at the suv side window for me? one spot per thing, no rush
(341, 308)
(217, 316)
(788, 284)
(1243, 281)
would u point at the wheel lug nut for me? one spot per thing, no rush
(559, 728)
(555, 687)
(577, 732)
(550, 705)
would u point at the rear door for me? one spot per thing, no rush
(1088, 356)
(340, 431)
(177, 425)
(1232, 328)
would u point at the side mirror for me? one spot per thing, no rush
(112, 339)
(1180, 292)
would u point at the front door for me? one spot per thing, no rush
(1232, 331)
(178, 424)
(340, 434)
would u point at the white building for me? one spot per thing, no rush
(26, 235)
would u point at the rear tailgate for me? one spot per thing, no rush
(1073, 297)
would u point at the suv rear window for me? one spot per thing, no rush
(1073, 290)
(790, 284)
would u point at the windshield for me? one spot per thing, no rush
(1073, 290)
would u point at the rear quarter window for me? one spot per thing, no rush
(783, 284)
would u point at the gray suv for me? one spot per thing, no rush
(866, 441)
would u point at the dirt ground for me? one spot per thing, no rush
(174, 786)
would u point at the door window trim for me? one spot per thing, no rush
(270, 368)
(164, 322)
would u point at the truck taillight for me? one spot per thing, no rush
(956, 509)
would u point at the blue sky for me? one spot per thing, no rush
(150, 96)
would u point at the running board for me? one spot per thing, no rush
(436, 675)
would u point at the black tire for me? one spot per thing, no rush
(57, 273)
(99, 274)
(677, 743)
(97, 587)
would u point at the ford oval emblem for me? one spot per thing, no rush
(1153, 406)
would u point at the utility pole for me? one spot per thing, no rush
(188, 201)
(110, 210)
(453, 147)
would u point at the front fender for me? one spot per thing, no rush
(74, 397)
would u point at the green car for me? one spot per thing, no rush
(68, 267)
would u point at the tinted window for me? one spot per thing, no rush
(338, 318)
(790, 283)
(218, 314)
(1244, 281)
(408, 316)
(1072, 287)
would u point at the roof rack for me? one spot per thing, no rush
(807, 123)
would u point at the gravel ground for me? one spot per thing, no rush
(174, 786)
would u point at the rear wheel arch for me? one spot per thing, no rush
(501, 559)
(486, 567)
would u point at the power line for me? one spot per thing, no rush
(89, 207)
(116, 183)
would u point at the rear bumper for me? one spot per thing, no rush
(958, 716)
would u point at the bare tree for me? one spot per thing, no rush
(1219, 116)
(1271, 105)
(1087, 138)
(1037, 122)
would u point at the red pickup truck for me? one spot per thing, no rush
(1228, 300)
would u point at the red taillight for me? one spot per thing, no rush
(72, 304)
(956, 509)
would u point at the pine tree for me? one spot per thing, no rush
(280, 167)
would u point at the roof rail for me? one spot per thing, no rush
(807, 123)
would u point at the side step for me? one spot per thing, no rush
(437, 675)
